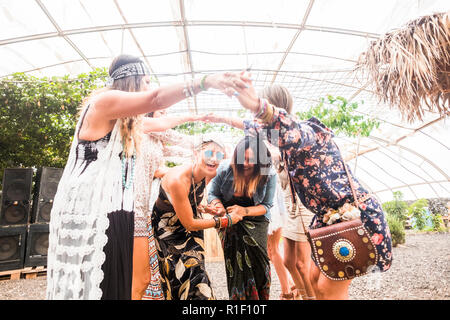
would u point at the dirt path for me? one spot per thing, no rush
(421, 270)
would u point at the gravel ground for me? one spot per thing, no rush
(420, 271)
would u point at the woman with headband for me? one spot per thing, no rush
(90, 254)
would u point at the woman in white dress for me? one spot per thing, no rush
(90, 252)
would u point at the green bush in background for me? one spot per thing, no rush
(418, 211)
(397, 207)
(397, 229)
(438, 223)
(38, 117)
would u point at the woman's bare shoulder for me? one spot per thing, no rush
(177, 177)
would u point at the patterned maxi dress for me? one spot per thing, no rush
(181, 253)
(246, 259)
(315, 165)
(155, 147)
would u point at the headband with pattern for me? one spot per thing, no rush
(128, 70)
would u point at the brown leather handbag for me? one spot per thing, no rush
(344, 250)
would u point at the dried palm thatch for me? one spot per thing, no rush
(410, 67)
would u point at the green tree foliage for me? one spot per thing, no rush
(419, 212)
(396, 216)
(438, 223)
(193, 128)
(340, 116)
(38, 117)
(397, 229)
(397, 207)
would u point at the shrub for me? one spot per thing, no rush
(38, 117)
(418, 210)
(397, 207)
(397, 229)
(438, 223)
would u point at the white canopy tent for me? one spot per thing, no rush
(308, 46)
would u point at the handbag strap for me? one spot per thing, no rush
(350, 179)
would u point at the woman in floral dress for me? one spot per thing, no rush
(315, 165)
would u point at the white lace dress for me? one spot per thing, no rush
(89, 190)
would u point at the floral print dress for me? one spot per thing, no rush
(315, 165)
(181, 253)
(245, 252)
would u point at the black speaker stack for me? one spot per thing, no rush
(24, 219)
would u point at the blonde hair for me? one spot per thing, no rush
(279, 96)
(130, 127)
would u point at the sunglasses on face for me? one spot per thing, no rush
(219, 155)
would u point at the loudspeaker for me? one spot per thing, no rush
(12, 247)
(47, 180)
(37, 245)
(16, 196)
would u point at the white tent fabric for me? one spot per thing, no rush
(309, 46)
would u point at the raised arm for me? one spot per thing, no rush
(167, 122)
(115, 104)
(231, 121)
(282, 129)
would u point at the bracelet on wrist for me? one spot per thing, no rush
(261, 108)
(217, 222)
(191, 88)
(186, 92)
(202, 82)
(223, 222)
(265, 112)
(230, 222)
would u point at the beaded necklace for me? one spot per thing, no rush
(195, 190)
(128, 184)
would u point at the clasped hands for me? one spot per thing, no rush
(216, 208)
(233, 84)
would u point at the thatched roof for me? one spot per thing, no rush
(410, 67)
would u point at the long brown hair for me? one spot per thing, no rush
(260, 170)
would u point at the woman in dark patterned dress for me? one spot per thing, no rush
(246, 185)
(315, 165)
(178, 225)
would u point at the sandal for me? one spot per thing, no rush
(287, 296)
(298, 293)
